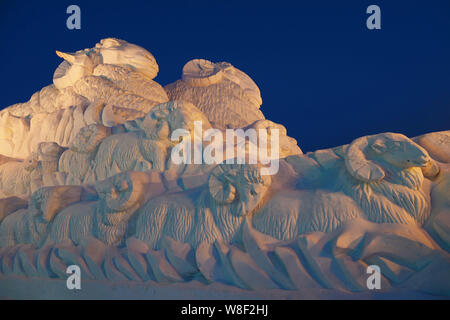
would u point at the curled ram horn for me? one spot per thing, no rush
(124, 191)
(167, 117)
(220, 186)
(358, 165)
(120, 195)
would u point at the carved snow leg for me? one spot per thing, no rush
(248, 271)
(232, 278)
(353, 273)
(71, 255)
(391, 271)
(417, 257)
(58, 265)
(94, 251)
(16, 264)
(135, 251)
(60, 256)
(3, 251)
(27, 257)
(345, 249)
(255, 247)
(43, 261)
(295, 269)
(207, 262)
(111, 271)
(180, 256)
(8, 259)
(161, 268)
(311, 265)
(22, 260)
(121, 263)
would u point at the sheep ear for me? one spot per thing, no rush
(358, 165)
(220, 188)
(378, 146)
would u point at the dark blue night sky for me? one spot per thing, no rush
(321, 72)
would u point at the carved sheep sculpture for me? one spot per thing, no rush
(377, 177)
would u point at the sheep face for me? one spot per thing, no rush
(164, 118)
(240, 186)
(89, 137)
(74, 67)
(155, 124)
(400, 151)
(250, 196)
(31, 162)
(120, 52)
(288, 145)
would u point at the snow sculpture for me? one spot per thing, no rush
(119, 197)
(350, 183)
(147, 144)
(226, 95)
(87, 178)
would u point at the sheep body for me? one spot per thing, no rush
(204, 214)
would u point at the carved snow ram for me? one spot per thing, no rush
(377, 177)
(215, 211)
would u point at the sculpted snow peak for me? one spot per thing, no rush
(226, 95)
(108, 84)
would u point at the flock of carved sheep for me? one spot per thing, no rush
(86, 178)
